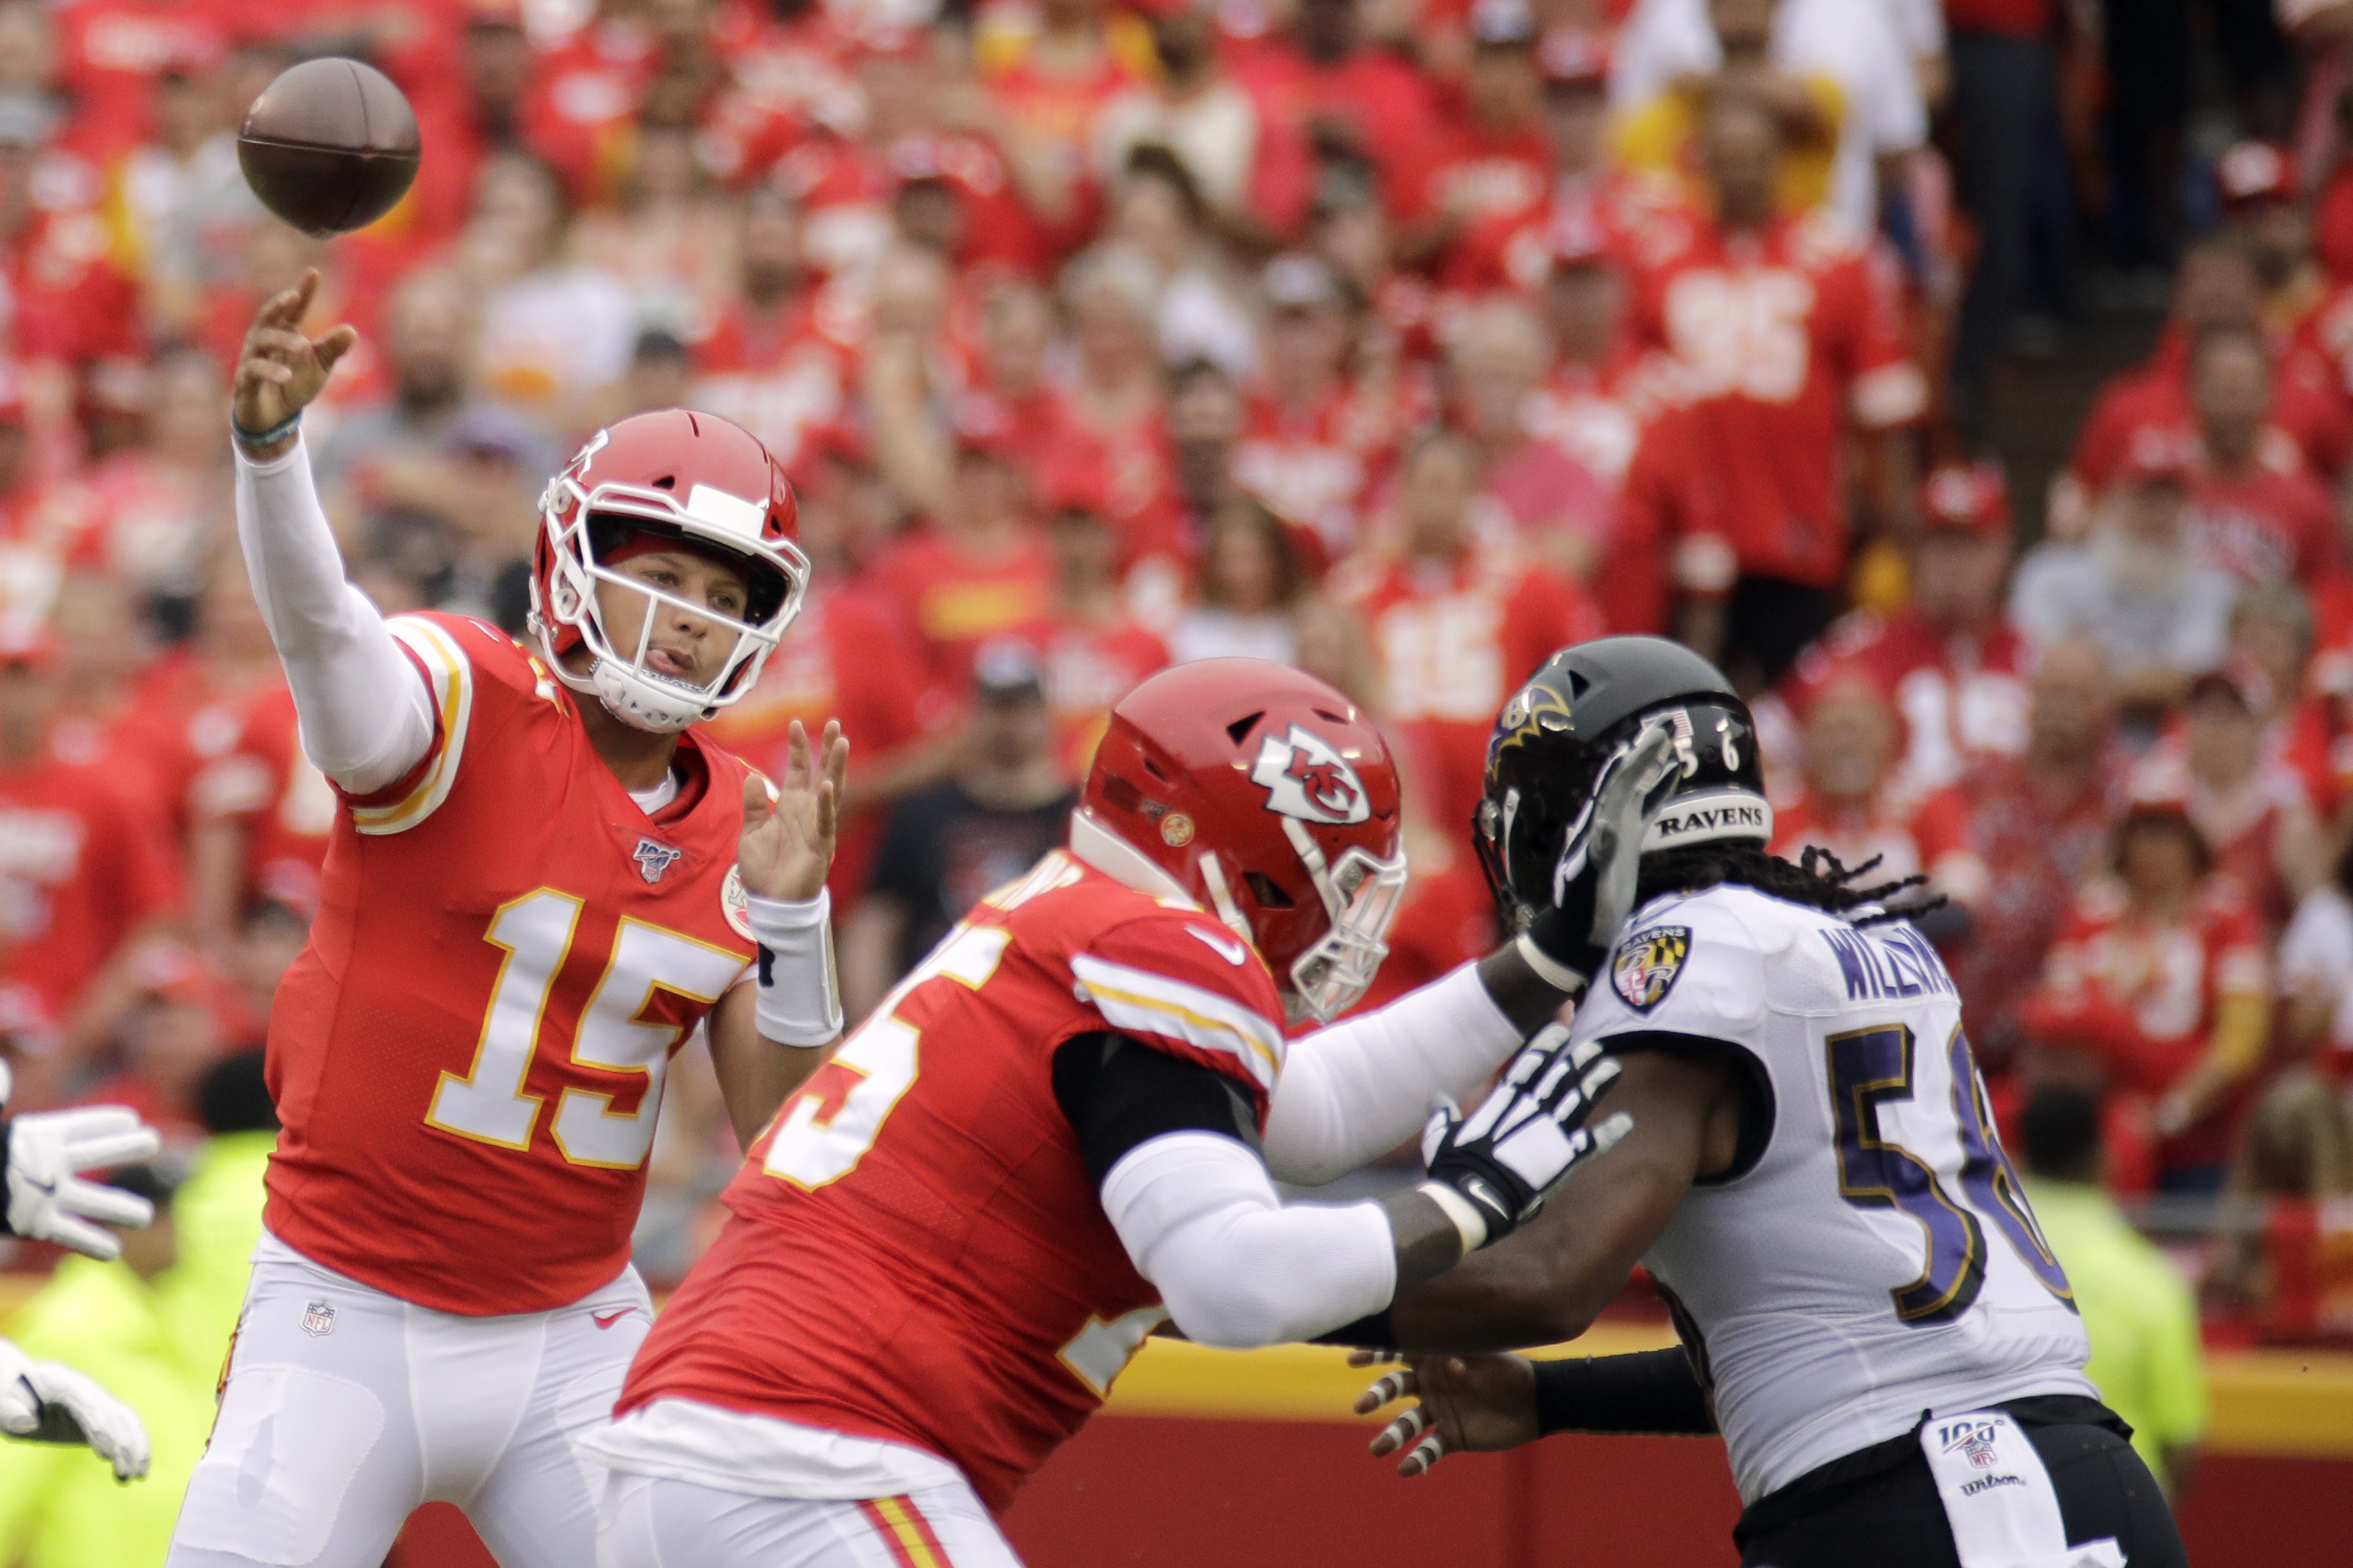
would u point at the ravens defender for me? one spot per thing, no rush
(1869, 1315)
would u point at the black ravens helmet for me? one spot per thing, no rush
(1585, 706)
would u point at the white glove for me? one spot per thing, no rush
(44, 1402)
(1526, 1138)
(48, 1202)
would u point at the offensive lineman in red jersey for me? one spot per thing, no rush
(1058, 1133)
(538, 883)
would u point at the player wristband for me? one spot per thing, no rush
(1549, 969)
(800, 1001)
(1648, 1391)
(268, 438)
(1468, 1220)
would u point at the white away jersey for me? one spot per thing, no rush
(1878, 1258)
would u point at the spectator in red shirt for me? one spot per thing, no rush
(1950, 663)
(1490, 166)
(976, 570)
(1107, 413)
(2215, 285)
(1850, 808)
(2249, 804)
(778, 358)
(1454, 626)
(1347, 97)
(1786, 329)
(2159, 976)
(849, 656)
(85, 875)
(186, 1014)
(1559, 511)
(2039, 822)
(1312, 436)
(2255, 511)
(1092, 652)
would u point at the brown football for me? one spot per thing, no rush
(329, 145)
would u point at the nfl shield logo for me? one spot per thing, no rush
(319, 1319)
(1977, 1441)
(654, 858)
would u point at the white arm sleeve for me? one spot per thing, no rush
(366, 714)
(1200, 1219)
(1362, 1086)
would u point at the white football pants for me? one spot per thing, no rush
(654, 1522)
(345, 1408)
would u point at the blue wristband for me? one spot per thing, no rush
(275, 433)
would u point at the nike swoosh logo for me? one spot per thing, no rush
(1225, 947)
(606, 1319)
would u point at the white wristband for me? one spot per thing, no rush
(1461, 1211)
(1549, 970)
(799, 1001)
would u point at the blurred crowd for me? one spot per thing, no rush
(1401, 340)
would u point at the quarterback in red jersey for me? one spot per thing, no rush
(538, 883)
(1087, 1151)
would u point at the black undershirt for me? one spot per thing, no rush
(1117, 1092)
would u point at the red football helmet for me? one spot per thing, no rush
(673, 473)
(1260, 793)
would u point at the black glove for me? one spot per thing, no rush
(1601, 859)
(1527, 1136)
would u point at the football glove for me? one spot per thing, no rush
(1600, 858)
(1527, 1136)
(47, 1201)
(43, 1402)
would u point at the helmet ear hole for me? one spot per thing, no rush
(1264, 889)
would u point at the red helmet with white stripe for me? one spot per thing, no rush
(673, 474)
(1262, 793)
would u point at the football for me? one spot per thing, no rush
(329, 145)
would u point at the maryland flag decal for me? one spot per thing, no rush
(1646, 963)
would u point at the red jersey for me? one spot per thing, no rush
(917, 1252)
(1313, 466)
(265, 784)
(844, 656)
(1597, 414)
(2036, 851)
(2266, 527)
(2163, 980)
(956, 601)
(1480, 175)
(1088, 668)
(845, 189)
(469, 1056)
(1963, 697)
(1452, 640)
(779, 374)
(1369, 98)
(1928, 837)
(110, 53)
(82, 865)
(1785, 338)
(1632, 214)
(2307, 416)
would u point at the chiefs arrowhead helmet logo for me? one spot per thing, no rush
(1305, 777)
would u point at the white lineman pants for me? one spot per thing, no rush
(345, 1408)
(654, 1522)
